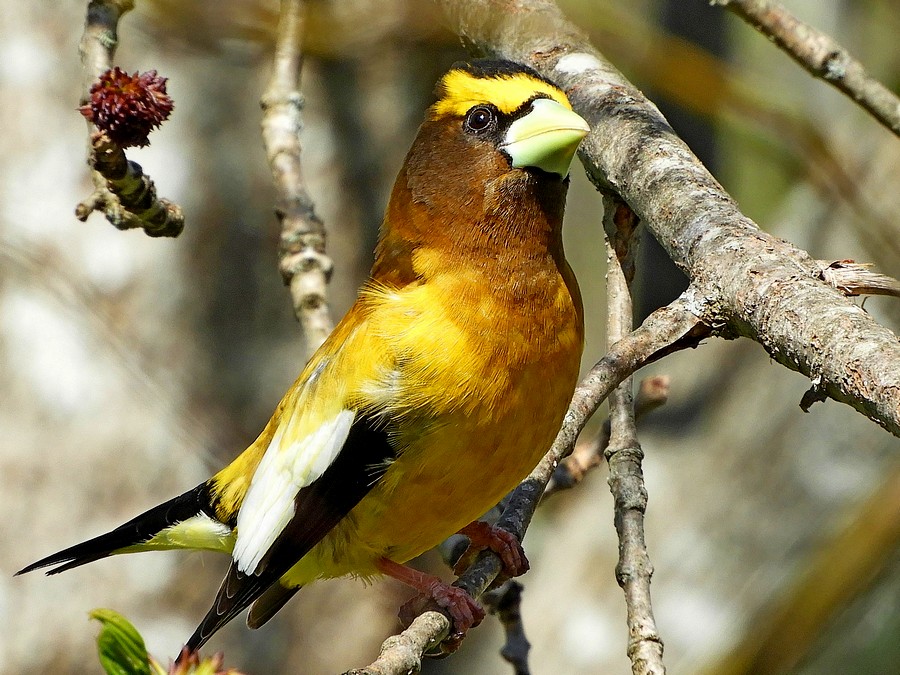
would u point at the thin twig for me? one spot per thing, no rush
(303, 264)
(506, 603)
(819, 54)
(100, 39)
(653, 392)
(128, 197)
(402, 654)
(122, 192)
(624, 453)
(666, 330)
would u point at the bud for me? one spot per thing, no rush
(128, 107)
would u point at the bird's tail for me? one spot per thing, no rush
(268, 604)
(238, 591)
(187, 521)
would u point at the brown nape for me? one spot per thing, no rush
(457, 194)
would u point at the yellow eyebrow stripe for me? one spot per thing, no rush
(462, 90)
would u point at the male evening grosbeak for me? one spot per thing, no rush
(435, 395)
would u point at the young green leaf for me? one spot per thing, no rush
(119, 645)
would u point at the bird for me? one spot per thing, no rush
(434, 396)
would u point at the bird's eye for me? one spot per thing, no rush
(479, 118)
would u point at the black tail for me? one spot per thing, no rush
(237, 592)
(135, 531)
(268, 604)
(241, 590)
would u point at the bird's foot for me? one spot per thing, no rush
(465, 612)
(505, 544)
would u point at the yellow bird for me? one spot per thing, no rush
(435, 395)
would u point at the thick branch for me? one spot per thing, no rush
(302, 260)
(819, 54)
(756, 285)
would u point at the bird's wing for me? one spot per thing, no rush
(299, 517)
(325, 455)
(288, 466)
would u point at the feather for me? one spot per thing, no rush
(317, 508)
(285, 469)
(194, 506)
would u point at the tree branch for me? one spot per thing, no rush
(506, 603)
(589, 453)
(752, 284)
(122, 192)
(624, 453)
(402, 654)
(303, 264)
(821, 56)
(100, 39)
(852, 278)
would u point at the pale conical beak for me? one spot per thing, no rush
(546, 138)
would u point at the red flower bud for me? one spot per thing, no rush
(128, 107)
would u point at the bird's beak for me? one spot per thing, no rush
(546, 138)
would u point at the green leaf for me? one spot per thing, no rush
(120, 647)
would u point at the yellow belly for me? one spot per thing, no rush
(451, 475)
(485, 384)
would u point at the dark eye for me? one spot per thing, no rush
(479, 118)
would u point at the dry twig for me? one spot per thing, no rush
(128, 196)
(303, 264)
(588, 453)
(402, 654)
(624, 453)
(122, 192)
(852, 278)
(506, 603)
(819, 54)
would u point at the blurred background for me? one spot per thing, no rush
(130, 368)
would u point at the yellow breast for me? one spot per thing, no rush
(476, 393)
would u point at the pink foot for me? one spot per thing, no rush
(465, 612)
(505, 544)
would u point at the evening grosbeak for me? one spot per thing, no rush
(436, 394)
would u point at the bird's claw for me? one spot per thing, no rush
(505, 544)
(464, 611)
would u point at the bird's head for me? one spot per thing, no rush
(489, 166)
(507, 109)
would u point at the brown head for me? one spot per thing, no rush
(486, 176)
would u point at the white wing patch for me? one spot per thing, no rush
(281, 474)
